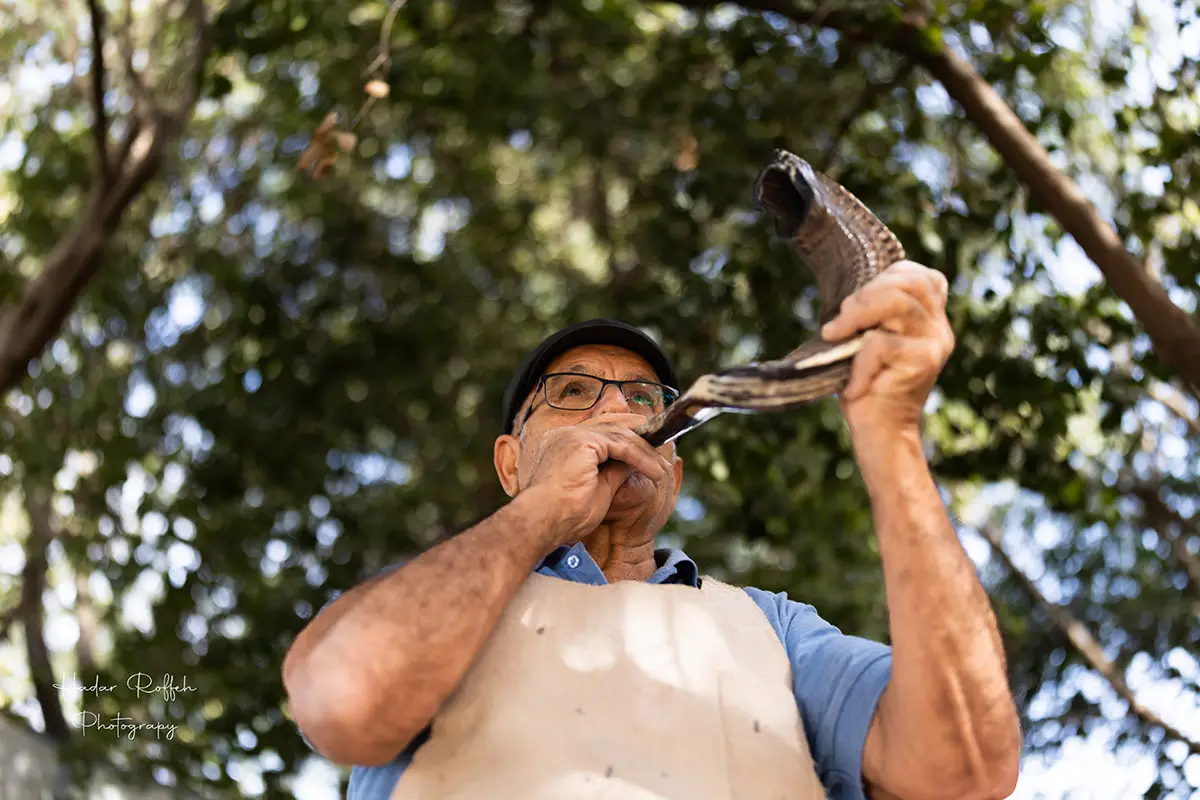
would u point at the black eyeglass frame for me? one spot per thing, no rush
(670, 394)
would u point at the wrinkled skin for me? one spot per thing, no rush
(899, 364)
(614, 491)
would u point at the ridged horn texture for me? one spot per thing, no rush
(844, 245)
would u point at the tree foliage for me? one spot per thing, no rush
(262, 386)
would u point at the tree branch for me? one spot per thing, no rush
(141, 96)
(28, 326)
(1083, 641)
(33, 584)
(1171, 399)
(1172, 332)
(100, 119)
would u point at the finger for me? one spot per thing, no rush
(940, 286)
(626, 425)
(625, 445)
(613, 474)
(906, 357)
(871, 360)
(928, 285)
(886, 306)
(616, 419)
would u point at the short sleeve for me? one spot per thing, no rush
(838, 680)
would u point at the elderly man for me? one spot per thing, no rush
(551, 651)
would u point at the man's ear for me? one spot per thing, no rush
(506, 452)
(677, 463)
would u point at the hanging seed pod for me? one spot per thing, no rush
(377, 89)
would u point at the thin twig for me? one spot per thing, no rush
(100, 119)
(141, 95)
(322, 149)
(1084, 642)
(362, 112)
(385, 35)
(1173, 401)
(818, 17)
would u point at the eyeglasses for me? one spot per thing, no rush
(575, 391)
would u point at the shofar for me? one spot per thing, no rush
(845, 245)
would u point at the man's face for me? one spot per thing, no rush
(639, 496)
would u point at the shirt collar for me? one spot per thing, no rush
(574, 563)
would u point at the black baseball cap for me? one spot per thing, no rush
(592, 331)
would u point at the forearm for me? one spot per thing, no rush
(368, 674)
(948, 710)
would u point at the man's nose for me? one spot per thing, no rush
(611, 401)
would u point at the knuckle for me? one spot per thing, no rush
(933, 353)
(875, 344)
(940, 282)
(948, 345)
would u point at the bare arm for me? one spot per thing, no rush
(946, 725)
(368, 673)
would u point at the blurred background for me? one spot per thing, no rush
(251, 353)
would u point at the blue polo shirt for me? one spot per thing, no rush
(839, 678)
